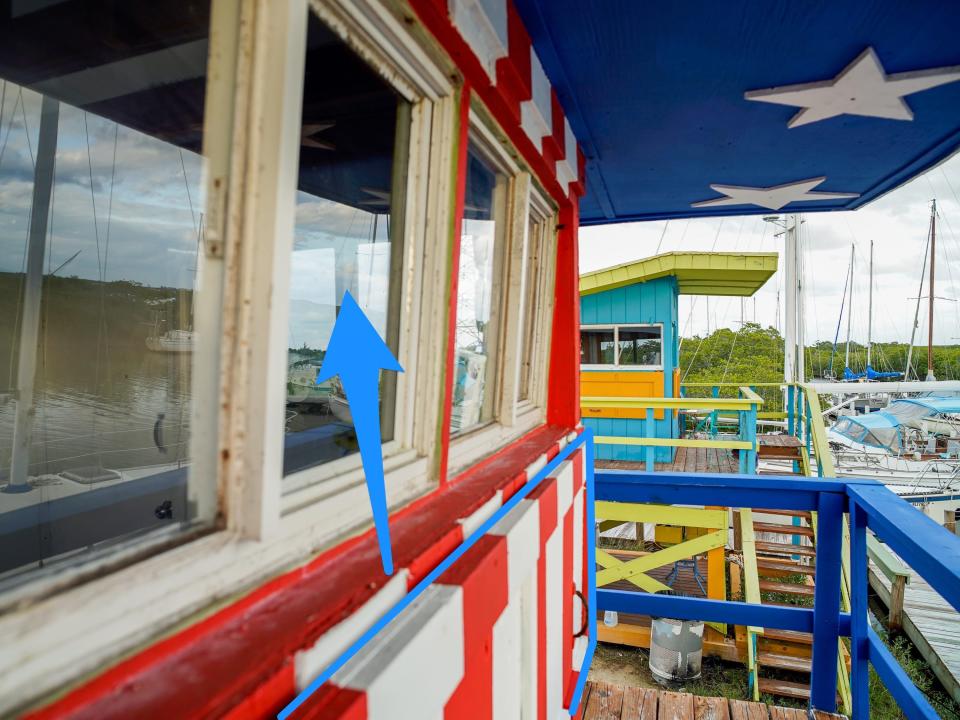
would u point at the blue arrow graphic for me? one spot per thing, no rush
(357, 354)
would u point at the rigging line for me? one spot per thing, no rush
(662, 234)
(186, 184)
(23, 111)
(733, 346)
(93, 199)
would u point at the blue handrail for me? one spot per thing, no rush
(929, 549)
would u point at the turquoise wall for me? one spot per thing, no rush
(650, 302)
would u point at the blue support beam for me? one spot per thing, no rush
(826, 603)
(859, 650)
(781, 617)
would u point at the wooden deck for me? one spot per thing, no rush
(603, 701)
(710, 460)
(931, 623)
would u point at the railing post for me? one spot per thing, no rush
(859, 646)
(809, 436)
(826, 603)
(752, 439)
(650, 432)
(742, 455)
(715, 392)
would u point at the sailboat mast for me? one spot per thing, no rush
(870, 308)
(850, 313)
(933, 265)
(32, 291)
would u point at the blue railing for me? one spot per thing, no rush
(929, 549)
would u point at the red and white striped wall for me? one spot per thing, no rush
(493, 48)
(493, 638)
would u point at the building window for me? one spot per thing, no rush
(639, 346)
(348, 238)
(597, 347)
(478, 293)
(633, 347)
(101, 225)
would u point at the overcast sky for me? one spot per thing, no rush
(897, 223)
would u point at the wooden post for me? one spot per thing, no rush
(895, 617)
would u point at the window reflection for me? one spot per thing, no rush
(639, 345)
(596, 347)
(476, 295)
(351, 188)
(100, 225)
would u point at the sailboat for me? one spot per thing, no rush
(912, 444)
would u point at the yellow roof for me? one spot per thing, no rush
(697, 273)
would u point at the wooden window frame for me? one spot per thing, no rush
(81, 619)
(616, 348)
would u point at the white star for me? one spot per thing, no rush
(772, 198)
(861, 88)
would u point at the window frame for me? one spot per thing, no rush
(255, 68)
(512, 416)
(616, 327)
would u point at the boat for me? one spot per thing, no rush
(913, 441)
(302, 386)
(172, 341)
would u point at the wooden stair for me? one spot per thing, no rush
(778, 446)
(785, 570)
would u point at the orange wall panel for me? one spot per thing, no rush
(637, 384)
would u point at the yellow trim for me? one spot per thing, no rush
(697, 273)
(631, 569)
(751, 584)
(643, 582)
(660, 514)
(675, 442)
(668, 403)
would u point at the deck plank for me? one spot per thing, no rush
(711, 708)
(639, 704)
(743, 710)
(605, 702)
(675, 706)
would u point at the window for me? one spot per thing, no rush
(538, 288)
(478, 293)
(348, 238)
(101, 226)
(597, 347)
(639, 346)
(634, 347)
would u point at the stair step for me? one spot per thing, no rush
(786, 588)
(783, 529)
(784, 566)
(784, 688)
(784, 662)
(784, 549)
(786, 636)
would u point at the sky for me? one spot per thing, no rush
(897, 224)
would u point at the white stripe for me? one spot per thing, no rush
(536, 114)
(479, 516)
(483, 24)
(522, 530)
(412, 667)
(508, 660)
(536, 466)
(309, 663)
(567, 168)
(556, 635)
(564, 477)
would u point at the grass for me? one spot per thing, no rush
(882, 704)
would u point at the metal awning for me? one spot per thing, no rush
(676, 105)
(697, 273)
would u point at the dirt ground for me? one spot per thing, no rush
(621, 665)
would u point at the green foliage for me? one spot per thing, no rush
(882, 704)
(755, 354)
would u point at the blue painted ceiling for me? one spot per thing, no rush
(654, 92)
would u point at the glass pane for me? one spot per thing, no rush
(596, 347)
(101, 220)
(476, 296)
(347, 239)
(640, 346)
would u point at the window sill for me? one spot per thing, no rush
(476, 444)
